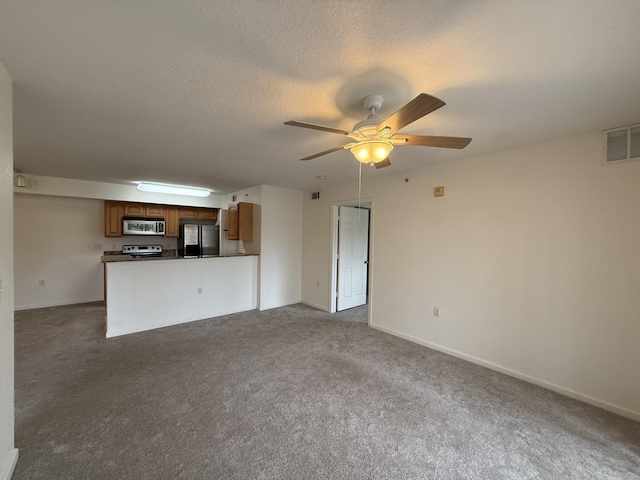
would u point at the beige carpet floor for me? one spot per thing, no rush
(289, 393)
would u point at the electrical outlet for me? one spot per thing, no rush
(436, 312)
(317, 283)
(97, 246)
(199, 290)
(41, 283)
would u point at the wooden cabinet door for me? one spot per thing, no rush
(245, 221)
(134, 209)
(188, 212)
(152, 210)
(208, 214)
(113, 212)
(232, 222)
(171, 221)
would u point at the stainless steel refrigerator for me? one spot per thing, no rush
(198, 240)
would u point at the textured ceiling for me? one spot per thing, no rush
(196, 92)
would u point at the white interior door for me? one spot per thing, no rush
(353, 249)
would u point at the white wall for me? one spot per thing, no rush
(59, 240)
(277, 226)
(533, 257)
(229, 285)
(281, 252)
(8, 454)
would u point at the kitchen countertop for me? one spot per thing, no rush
(129, 258)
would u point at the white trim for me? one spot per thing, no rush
(10, 465)
(55, 304)
(315, 305)
(512, 373)
(152, 326)
(334, 245)
(278, 305)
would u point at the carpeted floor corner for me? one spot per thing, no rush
(289, 393)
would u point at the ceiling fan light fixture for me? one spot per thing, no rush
(173, 189)
(371, 151)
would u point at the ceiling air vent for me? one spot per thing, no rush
(315, 195)
(621, 144)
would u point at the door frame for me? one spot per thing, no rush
(334, 250)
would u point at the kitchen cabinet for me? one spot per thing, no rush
(240, 221)
(134, 209)
(152, 210)
(143, 210)
(188, 212)
(207, 214)
(195, 213)
(113, 212)
(171, 221)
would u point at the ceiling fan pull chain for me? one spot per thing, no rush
(359, 189)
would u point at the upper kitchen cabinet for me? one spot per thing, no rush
(207, 214)
(240, 221)
(143, 210)
(188, 212)
(151, 210)
(171, 221)
(113, 212)
(195, 213)
(134, 209)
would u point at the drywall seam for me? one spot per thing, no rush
(513, 373)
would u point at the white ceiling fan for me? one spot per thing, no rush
(374, 139)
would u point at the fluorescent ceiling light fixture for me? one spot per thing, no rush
(173, 189)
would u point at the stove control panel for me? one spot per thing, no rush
(142, 250)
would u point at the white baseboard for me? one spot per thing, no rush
(10, 466)
(512, 373)
(315, 305)
(171, 322)
(33, 306)
(278, 305)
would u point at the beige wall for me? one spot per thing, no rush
(8, 454)
(59, 240)
(281, 252)
(533, 257)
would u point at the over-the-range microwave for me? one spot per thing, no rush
(142, 226)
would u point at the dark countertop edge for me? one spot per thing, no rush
(129, 258)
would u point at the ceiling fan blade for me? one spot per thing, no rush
(412, 111)
(331, 150)
(383, 163)
(430, 141)
(293, 123)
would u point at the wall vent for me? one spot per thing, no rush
(315, 195)
(621, 144)
(234, 198)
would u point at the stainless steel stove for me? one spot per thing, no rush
(142, 250)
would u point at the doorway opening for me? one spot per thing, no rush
(351, 258)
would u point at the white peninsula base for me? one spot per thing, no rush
(143, 295)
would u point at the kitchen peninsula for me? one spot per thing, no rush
(144, 294)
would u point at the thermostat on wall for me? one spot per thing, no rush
(438, 192)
